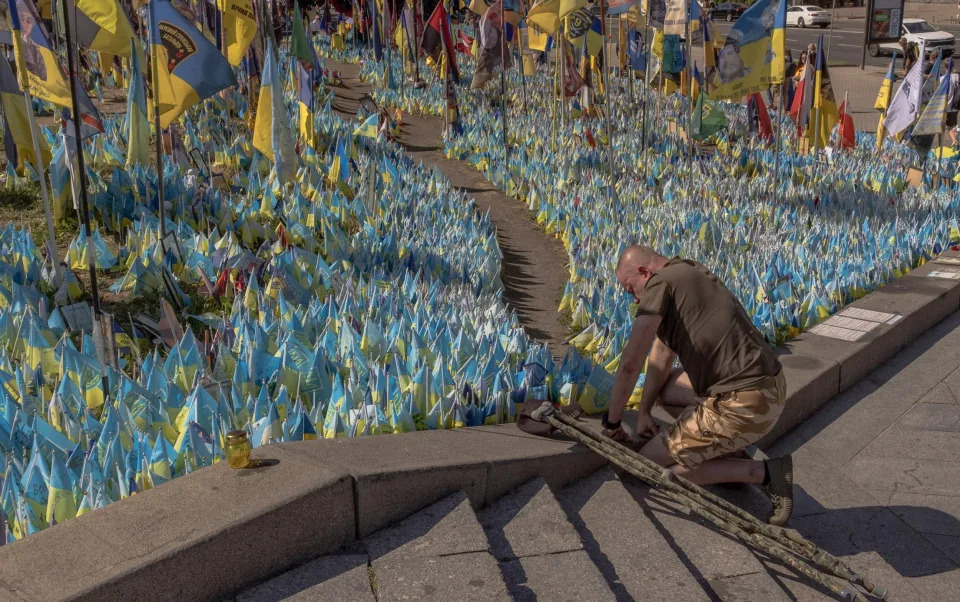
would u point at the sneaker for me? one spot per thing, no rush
(780, 489)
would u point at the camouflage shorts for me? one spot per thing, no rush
(725, 423)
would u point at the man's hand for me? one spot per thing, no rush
(646, 425)
(617, 434)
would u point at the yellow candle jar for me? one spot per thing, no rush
(237, 449)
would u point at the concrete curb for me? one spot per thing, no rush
(219, 530)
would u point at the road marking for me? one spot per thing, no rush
(851, 45)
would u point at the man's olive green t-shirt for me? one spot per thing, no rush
(708, 329)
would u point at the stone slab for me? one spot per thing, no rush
(462, 577)
(850, 532)
(333, 577)
(446, 527)
(928, 514)
(900, 442)
(528, 522)
(749, 587)
(932, 417)
(948, 544)
(218, 529)
(895, 475)
(944, 393)
(564, 577)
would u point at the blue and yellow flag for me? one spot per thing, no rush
(883, 95)
(271, 132)
(369, 128)
(239, 28)
(188, 67)
(305, 99)
(101, 25)
(17, 122)
(45, 79)
(138, 131)
(823, 100)
(751, 59)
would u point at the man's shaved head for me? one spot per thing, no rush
(636, 255)
(635, 267)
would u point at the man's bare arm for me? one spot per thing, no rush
(631, 362)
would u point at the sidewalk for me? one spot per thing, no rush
(861, 87)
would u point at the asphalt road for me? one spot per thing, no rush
(845, 46)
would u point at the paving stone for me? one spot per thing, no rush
(559, 577)
(748, 588)
(446, 527)
(528, 522)
(933, 514)
(895, 475)
(853, 531)
(944, 393)
(932, 417)
(899, 442)
(333, 577)
(461, 577)
(635, 555)
(948, 544)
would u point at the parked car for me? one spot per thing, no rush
(801, 16)
(730, 11)
(916, 31)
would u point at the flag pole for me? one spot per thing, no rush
(776, 160)
(158, 138)
(520, 67)
(416, 45)
(646, 86)
(84, 207)
(608, 89)
(561, 54)
(687, 68)
(35, 137)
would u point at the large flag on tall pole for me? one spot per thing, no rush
(138, 130)
(846, 133)
(883, 98)
(189, 67)
(491, 59)
(436, 39)
(46, 78)
(18, 123)
(748, 60)
(101, 25)
(239, 28)
(905, 105)
(271, 133)
(933, 116)
(37, 66)
(824, 102)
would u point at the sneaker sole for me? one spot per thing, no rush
(788, 477)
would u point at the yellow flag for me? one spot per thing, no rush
(239, 28)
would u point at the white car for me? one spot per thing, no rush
(801, 16)
(917, 30)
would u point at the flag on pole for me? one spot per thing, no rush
(905, 105)
(883, 95)
(305, 98)
(491, 61)
(933, 116)
(239, 28)
(707, 119)
(369, 128)
(846, 133)
(189, 67)
(300, 46)
(759, 117)
(138, 130)
(101, 25)
(436, 32)
(17, 123)
(823, 100)
(544, 15)
(271, 132)
(746, 61)
(35, 56)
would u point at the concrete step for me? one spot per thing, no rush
(539, 551)
(333, 577)
(439, 553)
(642, 543)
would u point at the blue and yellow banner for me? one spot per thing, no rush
(751, 59)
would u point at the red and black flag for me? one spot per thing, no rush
(435, 32)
